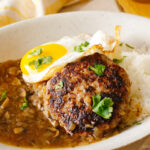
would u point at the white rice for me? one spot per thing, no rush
(137, 66)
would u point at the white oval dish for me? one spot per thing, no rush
(17, 38)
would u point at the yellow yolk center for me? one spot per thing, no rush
(39, 56)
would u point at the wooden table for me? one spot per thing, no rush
(108, 5)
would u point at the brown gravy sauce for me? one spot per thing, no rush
(29, 127)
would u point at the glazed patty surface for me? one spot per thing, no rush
(71, 105)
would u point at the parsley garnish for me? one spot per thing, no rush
(120, 44)
(127, 45)
(41, 60)
(37, 51)
(138, 123)
(80, 47)
(96, 99)
(102, 107)
(59, 85)
(118, 61)
(98, 69)
(3, 96)
(25, 104)
(86, 43)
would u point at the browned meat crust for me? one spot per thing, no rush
(71, 105)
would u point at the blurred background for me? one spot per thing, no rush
(16, 10)
(12, 11)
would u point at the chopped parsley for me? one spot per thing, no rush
(118, 61)
(45, 60)
(96, 99)
(102, 107)
(80, 47)
(59, 85)
(98, 69)
(138, 123)
(40, 61)
(120, 44)
(25, 104)
(3, 96)
(129, 46)
(37, 51)
(86, 43)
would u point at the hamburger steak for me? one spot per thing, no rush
(71, 92)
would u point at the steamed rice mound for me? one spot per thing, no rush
(137, 66)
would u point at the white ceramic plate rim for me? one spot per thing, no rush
(128, 136)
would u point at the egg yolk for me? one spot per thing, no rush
(39, 58)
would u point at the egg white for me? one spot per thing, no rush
(107, 42)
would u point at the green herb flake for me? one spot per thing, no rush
(37, 63)
(59, 85)
(36, 52)
(96, 99)
(138, 123)
(104, 107)
(25, 104)
(118, 61)
(46, 60)
(98, 69)
(120, 44)
(129, 46)
(40, 61)
(86, 44)
(3, 96)
(80, 47)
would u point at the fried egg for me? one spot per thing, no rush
(41, 62)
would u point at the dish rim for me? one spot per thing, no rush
(90, 146)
